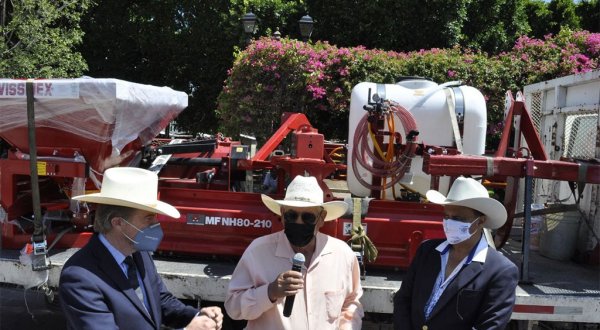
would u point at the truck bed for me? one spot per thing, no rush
(560, 291)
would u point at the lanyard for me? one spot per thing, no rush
(440, 284)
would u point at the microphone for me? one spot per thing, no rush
(297, 264)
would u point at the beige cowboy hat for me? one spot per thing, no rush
(130, 187)
(472, 194)
(305, 192)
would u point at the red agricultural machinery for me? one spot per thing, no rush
(58, 136)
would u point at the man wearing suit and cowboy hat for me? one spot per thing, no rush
(112, 282)
(326, 292)
(460, 282)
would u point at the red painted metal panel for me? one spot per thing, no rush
(15, 183)
(533, 309)
(224, 223)
(98, 154)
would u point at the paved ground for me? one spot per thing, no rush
(48, 316)
(15, 315)
(41, 314)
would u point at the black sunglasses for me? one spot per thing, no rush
(308, 218)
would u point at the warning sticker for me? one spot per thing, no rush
(41, 168)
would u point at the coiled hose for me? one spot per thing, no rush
(394, 162)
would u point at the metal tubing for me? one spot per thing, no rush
(38, 225)
(526, 230)
(182, 148)
(505, 166)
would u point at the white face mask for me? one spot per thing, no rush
(457, 231)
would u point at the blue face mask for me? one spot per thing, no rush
(147, 239)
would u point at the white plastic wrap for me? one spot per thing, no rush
(97, 109)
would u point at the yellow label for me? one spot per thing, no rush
(41, 168)
(239, 149)
(419, 92)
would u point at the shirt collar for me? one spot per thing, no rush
(119, 257)
(480, 250)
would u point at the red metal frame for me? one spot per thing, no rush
(504, 166)
(534, 164)
(396, 228)
(289, 122)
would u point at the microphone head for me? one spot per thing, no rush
(298, 259)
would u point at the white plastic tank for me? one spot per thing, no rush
(428, 103)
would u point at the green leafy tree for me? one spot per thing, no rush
(40, 37)
(493, 26)
(589, 13)
(389, 24)
(350, 23)
(538, 16)
(406, 25)
(563, 15)
(185, 44)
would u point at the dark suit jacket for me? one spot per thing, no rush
(481, 296)
(95, 294)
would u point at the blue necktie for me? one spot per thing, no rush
(133, 279)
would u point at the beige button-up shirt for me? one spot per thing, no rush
(329, 300)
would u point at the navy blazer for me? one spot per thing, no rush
(481, 296)
(95, 293)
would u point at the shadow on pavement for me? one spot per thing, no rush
(42, 314)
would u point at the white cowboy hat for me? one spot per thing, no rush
(472, 194)
(305, 192)
(130, 187)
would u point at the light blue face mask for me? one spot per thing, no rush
(147, 239)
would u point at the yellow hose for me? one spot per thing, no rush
(389, 154)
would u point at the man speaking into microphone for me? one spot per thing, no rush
(271, 293)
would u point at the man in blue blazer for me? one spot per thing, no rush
(461, 282)
(112, 282)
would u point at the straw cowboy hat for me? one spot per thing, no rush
(472, 194)
(130, 187)
(305, 192)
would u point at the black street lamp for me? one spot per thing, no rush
(306, 26)
(277, 34)
(250, 24)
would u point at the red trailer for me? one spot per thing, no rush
(83, 126)
(58, 136)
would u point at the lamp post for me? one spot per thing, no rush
(306, 27)
(250, 24)
(277, 34)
